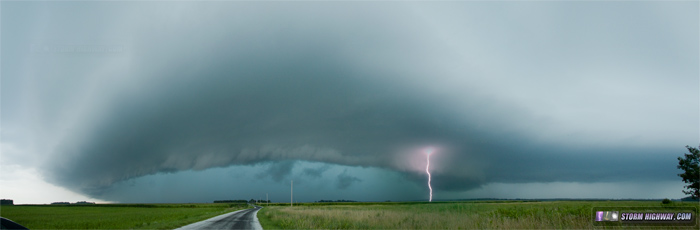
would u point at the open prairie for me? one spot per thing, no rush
(113, 216)
(356, 215)
(445, 215)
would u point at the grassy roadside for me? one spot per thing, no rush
(113, 216)
(264, 218)
(441, 215)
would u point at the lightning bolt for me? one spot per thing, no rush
(427, 170)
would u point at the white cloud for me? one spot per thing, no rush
(26, 186)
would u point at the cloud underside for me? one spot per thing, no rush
(208, 86)
(261, 106)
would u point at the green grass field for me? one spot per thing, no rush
(444, 215)
(383, 215)
(113, 216)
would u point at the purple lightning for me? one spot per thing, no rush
(427, 170)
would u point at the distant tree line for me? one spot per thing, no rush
(7, 202)
(322, 201)
(79, 202)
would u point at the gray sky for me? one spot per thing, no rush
(197, 101)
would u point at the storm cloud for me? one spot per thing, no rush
(531, 94)
(316, 172)
(345, 180)
(278, 170)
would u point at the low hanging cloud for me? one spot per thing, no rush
(278, 170)
(344, 180)
(321, 84)
(316, 172)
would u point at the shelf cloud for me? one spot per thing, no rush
(509, 97)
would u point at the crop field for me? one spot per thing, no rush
(444, 215)
(113, 216)
(382, 215)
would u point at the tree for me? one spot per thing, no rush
(689, 164)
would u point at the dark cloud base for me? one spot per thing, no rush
(331, 88)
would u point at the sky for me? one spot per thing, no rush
(155, 102)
